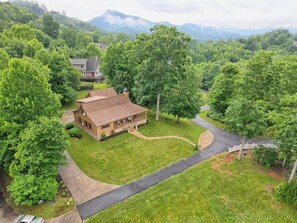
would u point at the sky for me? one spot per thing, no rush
(215, 13)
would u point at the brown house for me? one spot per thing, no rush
(106, 112)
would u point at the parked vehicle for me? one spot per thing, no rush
(28, 219)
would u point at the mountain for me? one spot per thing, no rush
(115, 21)
(40, 10)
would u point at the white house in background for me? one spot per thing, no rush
(89, 69)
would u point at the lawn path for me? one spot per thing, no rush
(222, 141)
(139, 135)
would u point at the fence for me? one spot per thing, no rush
(250, 146)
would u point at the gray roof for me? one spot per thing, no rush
(91, 64)
(78, 61)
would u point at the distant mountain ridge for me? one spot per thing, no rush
(115, 21)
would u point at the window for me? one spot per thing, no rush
(90, 126)
(105, 126)
(79, 120)
(81, 66)
(86, 123)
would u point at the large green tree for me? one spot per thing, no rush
(284, 129)
(119, 67)
(50, 27)
(162, 56)
(184, 99)
(25, 95)
(223, 89)
(246, 118)
(35, 167)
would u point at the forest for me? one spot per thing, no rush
(251, 81)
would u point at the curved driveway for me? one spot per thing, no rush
(223, 140)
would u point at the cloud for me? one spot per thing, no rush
(218, 13)
(112, 19)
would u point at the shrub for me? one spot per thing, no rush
(266, 156)
(103, 136)
(86, 86)
(69, 125)
(112, 132)
(287, 192)
(29, 189)
(75, 132)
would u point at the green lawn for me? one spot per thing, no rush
(82, 94)
(221, 189)
(215, 123)
(124, 158)
(167, 125)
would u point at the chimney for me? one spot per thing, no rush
(126, 92)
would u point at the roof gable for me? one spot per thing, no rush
(107, 92)
(104, 103)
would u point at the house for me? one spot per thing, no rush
(89, 69)
(102, 46)
(104, 113)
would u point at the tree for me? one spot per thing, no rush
(41, 150)
(284, 129)
(29, 189)
(162, 56)
(64, 78)
(222, 90)
(25, 95)
(50, 27)
(82, 40)
(4, 58)
(31, 47)
(245, 117)
(36, 163)
(93, 51)
(118, 66)
(262, 77)
(184, 99)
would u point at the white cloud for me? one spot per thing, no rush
(125, 21)
(218, 13)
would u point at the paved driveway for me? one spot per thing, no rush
(82, 187)
(70, 217)
(7, 214)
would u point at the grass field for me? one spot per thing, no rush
(215, 123)
(221, 189)
(82, 94)
(167, 125)
(125, 158)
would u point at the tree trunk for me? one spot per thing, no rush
(178, 119)
(293, 172)
(241, 149)
(284, 160)
(158, 107)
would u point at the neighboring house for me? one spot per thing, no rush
(89, 69)
(106, 112)
(102, 46)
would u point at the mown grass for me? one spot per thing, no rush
(167, 125)
(46, 210)
(124, 158)
(215, 123)
(220, 189)
(82, 94)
